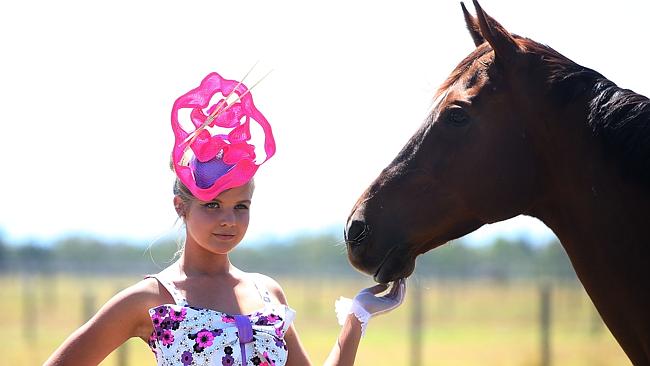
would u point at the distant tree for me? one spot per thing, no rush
(4, 253)
(507, 259)
(322, 254)
(554, 262)
(34, 258)
(452, 260)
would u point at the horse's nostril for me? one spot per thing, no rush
(357, 231)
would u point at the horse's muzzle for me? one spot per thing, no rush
(356, 232)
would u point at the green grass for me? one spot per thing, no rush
(464, 323)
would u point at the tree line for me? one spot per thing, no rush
(315, 255)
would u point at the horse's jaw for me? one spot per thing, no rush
(394, 266)
(397, 256)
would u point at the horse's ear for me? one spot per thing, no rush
(504, 45)
(472, 26)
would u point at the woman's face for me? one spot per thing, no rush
(218, 225)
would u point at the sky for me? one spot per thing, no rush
(87, 87)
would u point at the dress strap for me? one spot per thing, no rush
(262, 290)
(170, 287)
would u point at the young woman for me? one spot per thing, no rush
(202, 310)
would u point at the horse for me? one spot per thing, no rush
(518, 128)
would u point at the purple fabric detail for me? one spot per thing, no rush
(206, 173)
(245, 330)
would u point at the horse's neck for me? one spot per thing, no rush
(599, 219)
(596, 212)
(602, 221)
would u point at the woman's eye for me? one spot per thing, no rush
(211, 205)
(241, 207)
(456, 117)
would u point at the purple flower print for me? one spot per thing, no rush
(272, 318)
(186, 358)
(227, 360)
(197, 348)
(227, 319)
(280, 343)
(161, 311)
(267, 360)
(152, 340)
(262, 320)
(156, 321)
(166, 324)
(278, 331)
(178, 316)
(167, 338)
(204, 338)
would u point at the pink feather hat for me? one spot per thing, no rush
(205, 161)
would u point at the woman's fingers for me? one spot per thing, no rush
(376, 289)
(398, 291)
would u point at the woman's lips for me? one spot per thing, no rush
(224, 236)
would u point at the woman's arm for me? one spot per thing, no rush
(122, 317)
(343, 352)
(364, 306)
(345, 349)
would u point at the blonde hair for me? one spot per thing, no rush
(185, 195)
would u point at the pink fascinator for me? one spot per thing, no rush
(212, 152)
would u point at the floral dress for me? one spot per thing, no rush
(184, 335)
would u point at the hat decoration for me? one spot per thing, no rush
(205, 159)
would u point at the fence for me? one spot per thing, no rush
(530, 322)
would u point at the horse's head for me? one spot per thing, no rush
(472, 162)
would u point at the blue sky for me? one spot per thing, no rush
(87, 90)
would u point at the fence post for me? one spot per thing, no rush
(50, 293)
(417, 320)
(30, 312)
(122, 355)
(313, 293)
(596, 323)
(88, 305)
(545, 323)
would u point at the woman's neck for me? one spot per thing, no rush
(196, 262)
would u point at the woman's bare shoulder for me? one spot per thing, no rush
(146, 293)
(133, 304)
(273, 286)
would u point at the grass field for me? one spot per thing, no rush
(464, 323)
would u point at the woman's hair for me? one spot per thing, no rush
(184, 193)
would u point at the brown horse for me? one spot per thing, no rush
(517, 128)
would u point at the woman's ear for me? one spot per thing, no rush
(179, 205)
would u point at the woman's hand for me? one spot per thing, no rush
(367, 304)
(375, 305)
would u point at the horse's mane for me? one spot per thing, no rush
(620, 117)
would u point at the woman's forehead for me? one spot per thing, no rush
(236, 194)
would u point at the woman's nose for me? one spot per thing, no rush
(227, 218)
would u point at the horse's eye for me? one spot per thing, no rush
(456, 117)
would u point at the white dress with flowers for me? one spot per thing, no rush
(184, 335)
